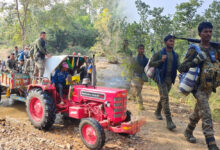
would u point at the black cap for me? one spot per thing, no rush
(42, 32)
(168, 37)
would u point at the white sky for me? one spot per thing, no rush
(168, 5)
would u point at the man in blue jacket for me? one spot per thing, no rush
(59, 80)
(139, 77)
(166, 62)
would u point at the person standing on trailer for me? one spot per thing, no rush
(40, 53)
(12, 63)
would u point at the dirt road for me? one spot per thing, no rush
(16, 131)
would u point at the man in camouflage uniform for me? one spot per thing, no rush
(29, 66)
(11, 63)
(166, 63)
(39, 55)
(138, 77)
(201, 92)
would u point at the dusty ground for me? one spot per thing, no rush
(16, 131)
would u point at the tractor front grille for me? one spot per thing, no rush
(117, 115)
(119, 108)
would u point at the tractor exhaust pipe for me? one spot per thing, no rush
(93, 78)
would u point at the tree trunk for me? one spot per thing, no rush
(23, 22)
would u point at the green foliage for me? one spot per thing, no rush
(109, 38)
(65, 28)
(212, 14)
(135, 35)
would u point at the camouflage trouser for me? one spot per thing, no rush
(39, 68)
(135, 90)
(164, 90)
(202, 111)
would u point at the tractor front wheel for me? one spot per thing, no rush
(41, 109)
(92, 133)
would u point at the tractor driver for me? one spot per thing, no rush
(59, 80)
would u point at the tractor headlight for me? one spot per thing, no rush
(107, 104)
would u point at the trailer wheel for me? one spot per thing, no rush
(92, 133)
(41, 109)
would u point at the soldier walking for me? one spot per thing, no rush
(204, 87)
(139, 77)
(166, 63)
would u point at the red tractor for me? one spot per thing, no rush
(98, 108)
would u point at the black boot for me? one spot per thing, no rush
(213, 147)
(210, 141)
(157, 113)
(170, 124)
(189, 136)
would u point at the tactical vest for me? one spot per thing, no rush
(210, 72)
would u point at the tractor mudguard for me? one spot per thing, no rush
(131, 127)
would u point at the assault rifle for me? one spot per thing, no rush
(214, 44)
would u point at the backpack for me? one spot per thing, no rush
(149, 71)
(188, 80)
(152, 72)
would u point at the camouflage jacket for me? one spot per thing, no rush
(192, 60)
(40, 48)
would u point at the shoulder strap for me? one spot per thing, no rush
(160, 53)
(197, 48)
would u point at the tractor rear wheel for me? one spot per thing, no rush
(41, 109)
(92, 133)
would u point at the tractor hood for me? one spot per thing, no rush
(52, 63)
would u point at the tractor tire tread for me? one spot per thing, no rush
(49, 109)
